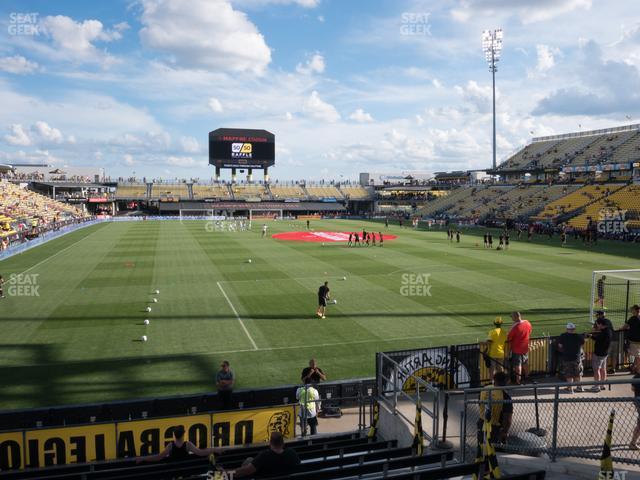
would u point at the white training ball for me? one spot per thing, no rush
(344, 278)
(143, 338)
(323, 244)
(157, 292)
(146, 321)
(155, 300)
(335, 301)
(148, 309)
(249, 261)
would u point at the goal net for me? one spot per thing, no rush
(259, 214)
(615, 291)
(197, 214)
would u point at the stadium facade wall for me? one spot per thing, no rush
(44, 238)
(43, 447)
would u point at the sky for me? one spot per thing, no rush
(346, 86)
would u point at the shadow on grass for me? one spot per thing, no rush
(46, 381)
(298, 316)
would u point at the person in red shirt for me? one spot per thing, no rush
(518, 339)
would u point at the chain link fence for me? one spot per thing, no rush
(557, 423)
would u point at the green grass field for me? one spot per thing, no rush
(78, 340)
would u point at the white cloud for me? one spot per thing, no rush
(319, 109)
(207, 34)
(46, 133)
(121, 27)
(528, 12)
(17, 64)
(313, 65)
(128, 159)
(40, 133)
(263, 3)
(546, 57)
(361, 116)
(181, 161)
(189, 145)
(75, 40)
(215, 105)
(477, 95)
(321, 18)
(18, 136)
(288, 116)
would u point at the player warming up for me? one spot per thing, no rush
(264, 230)
(323, 297)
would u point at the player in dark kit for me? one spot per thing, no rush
(486, 240)
(323, 297)
(506, 240)
(356, 239)
(1, 287)
(490, 241)
(457, 236)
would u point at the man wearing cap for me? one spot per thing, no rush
(495, 347)
(632, 327)
(570, 348)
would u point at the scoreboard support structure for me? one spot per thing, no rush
(241, 149)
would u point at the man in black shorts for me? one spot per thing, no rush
(490, 240)
(486, 240)
(323, 296)
(570, 347)
(632, 327)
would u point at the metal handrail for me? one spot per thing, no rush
(420, 384)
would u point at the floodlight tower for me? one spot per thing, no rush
(492, 47)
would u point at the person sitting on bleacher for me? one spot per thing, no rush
(179, 449)
(275, 461)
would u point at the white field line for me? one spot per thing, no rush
(58, 253)
(290, 347)
(255, 347)
(338, 344)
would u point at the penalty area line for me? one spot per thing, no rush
(255, 347)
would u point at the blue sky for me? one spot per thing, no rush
(346, 85)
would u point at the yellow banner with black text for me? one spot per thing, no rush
(108, 441)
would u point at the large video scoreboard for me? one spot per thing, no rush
(241, 148)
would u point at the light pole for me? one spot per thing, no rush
(492, 47)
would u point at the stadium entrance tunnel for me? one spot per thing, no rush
(321, 236)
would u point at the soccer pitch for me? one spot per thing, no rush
(78, 339)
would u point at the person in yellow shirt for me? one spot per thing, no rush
(495, 347)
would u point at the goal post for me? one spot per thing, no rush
(196, 214)
(614, 291)
(257, 214)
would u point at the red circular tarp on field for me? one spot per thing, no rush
(321, 236)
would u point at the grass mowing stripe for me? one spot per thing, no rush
(255, 347)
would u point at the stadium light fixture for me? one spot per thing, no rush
(492, 48)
